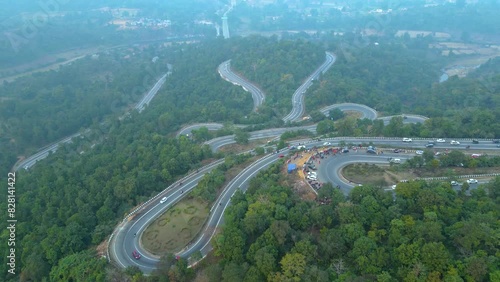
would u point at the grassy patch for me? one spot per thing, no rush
(173, 230)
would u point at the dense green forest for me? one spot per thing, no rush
(44, 107)
(374, 76)
(71, 201)
(278, 67)
(425, 232)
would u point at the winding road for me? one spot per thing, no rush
(124, 240)
(127, 235)
(298, 106)
(226, 73)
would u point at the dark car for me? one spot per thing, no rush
(397, 150)
(313, 167)
(371, 151)
(345, 150)
(474, 141)
(496, 141)
(136, 255)
(430, 145)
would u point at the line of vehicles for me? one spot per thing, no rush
(431, 144)
(469, 181)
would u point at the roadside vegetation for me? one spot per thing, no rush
(70, 202)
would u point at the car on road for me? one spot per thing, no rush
(419, 152)
(281, 156)
(454, 183)
(397, 150)
(475, 141)
(475, 156)
(371, 151)
(496, 141)
(163, 200)
(136, 255)
(430, 145)
(407, 140)
(472, 181)
(345, 150)
(393, 186)
(440, 140)
(395, 161)
(327, 144)
(301, 147)
(453, 142)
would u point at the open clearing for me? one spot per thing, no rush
(176, 228)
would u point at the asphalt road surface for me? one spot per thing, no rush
(124, 242)
(298, 105)
(226, 73)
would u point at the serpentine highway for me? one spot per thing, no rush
(226, 73)
(126, 237)
(298, 107)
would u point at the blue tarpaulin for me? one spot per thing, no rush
(291, 167)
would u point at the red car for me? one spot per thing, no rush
(281, 156)
(136, 255)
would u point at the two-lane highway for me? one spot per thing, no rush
(226, 73)
(298, 105)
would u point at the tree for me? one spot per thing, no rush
(325, 126)
(336, 114)
(241, 137)
(293, 266)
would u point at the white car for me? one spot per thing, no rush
(327, 144)
(312, 173)
(419, 152)
(310, 177)
(453, 142)
(163, 200)
(440, 140)
(471, 181)
(454, 183)
(407, 140)
(393, 187)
